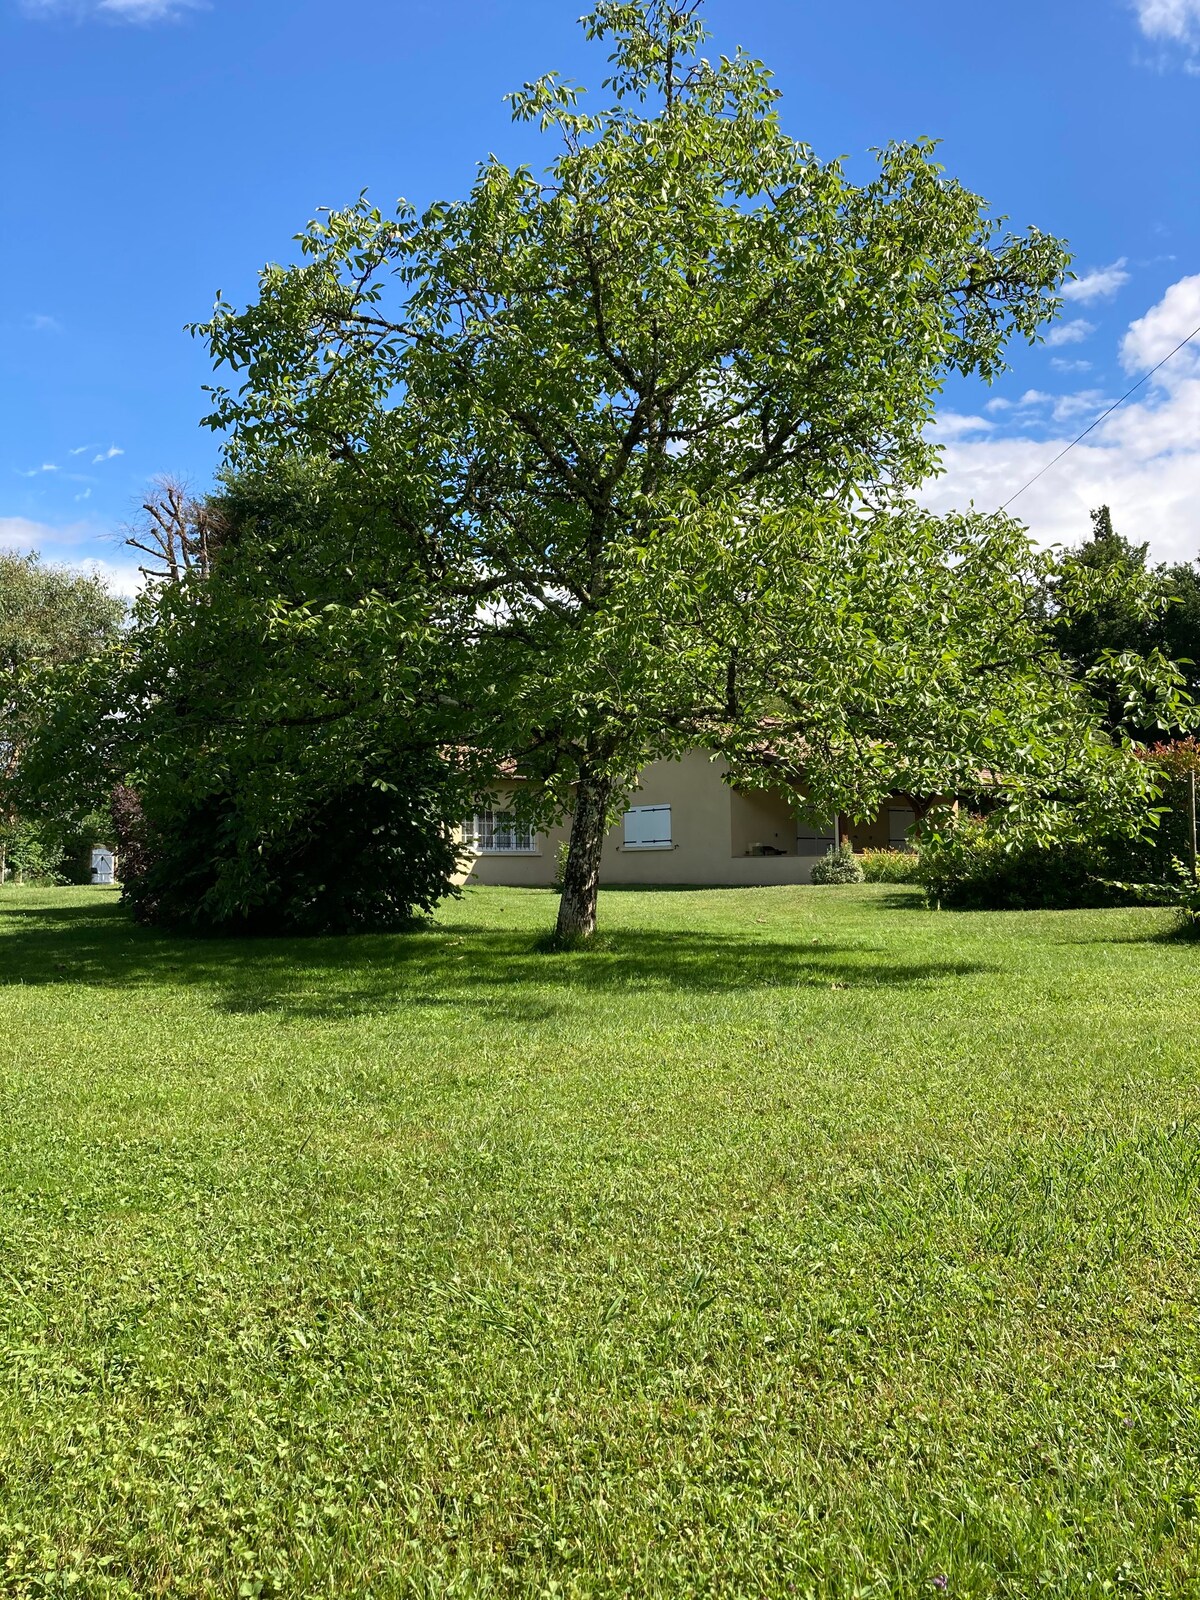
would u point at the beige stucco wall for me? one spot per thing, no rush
(698, 796)
(713, 827)
(517, 871)
(758, 817)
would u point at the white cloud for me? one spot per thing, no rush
(1143, 460)
(113, 10)
(1074, 332)
(40, 322)
(58, 542)
(144, 10)
(1175, 25)
(1175, 20)
(122, 577)
(83, 546)
(1035, 397)
(1151, 337)
(1062, 364)
(950, 425)
(80, 448)
(36, 472)
(1101, 284)
(86, 495)
(1068, 406)
(107, 455)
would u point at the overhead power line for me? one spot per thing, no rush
(1132, 390)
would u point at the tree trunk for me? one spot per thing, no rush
(581, 879)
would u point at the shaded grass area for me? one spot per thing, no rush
(800, 1242)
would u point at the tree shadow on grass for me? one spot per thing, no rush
(457, 969)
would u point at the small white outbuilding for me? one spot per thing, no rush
(104, 864)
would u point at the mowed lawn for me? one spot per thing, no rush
(799, 1242)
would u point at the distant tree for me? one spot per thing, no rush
(49, 616)
(1112, 608)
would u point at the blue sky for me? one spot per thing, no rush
(159, 150)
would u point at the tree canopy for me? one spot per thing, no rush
(49, 617)
(642, 427)
(281, 765)
(1120, 618)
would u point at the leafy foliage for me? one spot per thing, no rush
(370, 856)
(49, 617)
(1131, 628)
(892, 652)
(976, 865)
(279, 766)
(1176, 768)
(30, 852)
(1184, 896)
(601, 402)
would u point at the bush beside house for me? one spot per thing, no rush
(838, 865)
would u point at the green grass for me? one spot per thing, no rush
(800, 1242)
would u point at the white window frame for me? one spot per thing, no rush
(648, 818)
(491, 823)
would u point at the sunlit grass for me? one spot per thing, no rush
(799, 1242)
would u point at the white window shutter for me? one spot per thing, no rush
(648, 828)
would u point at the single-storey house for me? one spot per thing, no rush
(684, 825)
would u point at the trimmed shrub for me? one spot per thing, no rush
(973, 868)
(890, 866)
(838, 865)
(361, 858)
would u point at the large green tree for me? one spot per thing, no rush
(602, 401)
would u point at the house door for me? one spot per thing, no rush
(103, 865)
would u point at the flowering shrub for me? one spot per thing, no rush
(890, 866)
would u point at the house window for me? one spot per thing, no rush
(495, 833)
(648, 828)
(813, 838)
(900, 820)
